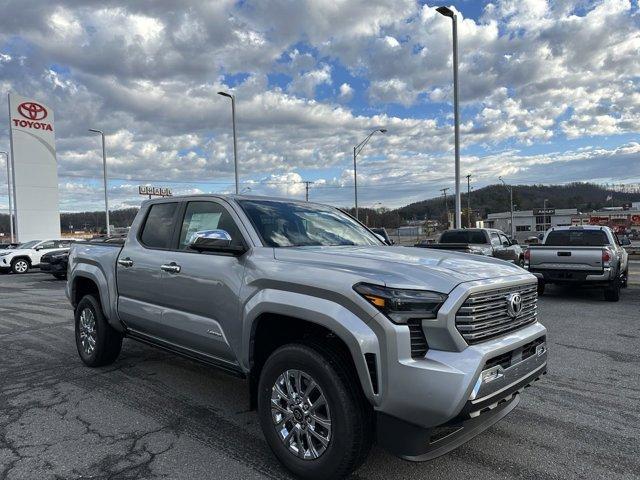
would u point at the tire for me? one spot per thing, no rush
(541, 285)
(351, 419)
(107, 342)
(612, 292)
(60, 276)
(625, 278)
(20, 265)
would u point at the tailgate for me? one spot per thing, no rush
(569, 258)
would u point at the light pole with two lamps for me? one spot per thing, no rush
(356, 151)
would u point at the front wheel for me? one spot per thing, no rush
(312, 413)
(60, 276)
(20, 265)
(98, 343)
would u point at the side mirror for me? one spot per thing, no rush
(381, 238)
(38, 249)
(514, 242)
(506, 243)
(214, 241)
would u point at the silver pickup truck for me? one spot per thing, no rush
(586, 255)
(344, 341)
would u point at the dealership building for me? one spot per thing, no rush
(529, 223)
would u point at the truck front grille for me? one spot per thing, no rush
(484, 315)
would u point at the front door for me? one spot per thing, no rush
(203, 310)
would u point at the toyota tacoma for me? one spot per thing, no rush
(344, 341)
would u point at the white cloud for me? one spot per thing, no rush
(346, 92)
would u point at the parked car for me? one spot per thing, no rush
(382, 232)
(482, 241)
(329, 325)
(586, 255)
(28, 255)
(55, 263)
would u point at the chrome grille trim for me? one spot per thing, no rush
(484, 316)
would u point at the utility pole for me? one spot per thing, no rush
(469, 201)
(306, 186)
(446, 206)
(510, 188)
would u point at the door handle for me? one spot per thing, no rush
(172, 267)
(125, 262)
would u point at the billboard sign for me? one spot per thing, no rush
(35, 169)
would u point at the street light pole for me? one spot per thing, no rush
(104, 179)
(235, 141)
(447, 12)
(469, 201)
(510, 188)
(6, 156)
(356, 151)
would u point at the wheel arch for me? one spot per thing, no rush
(88, 279)
(278, 318)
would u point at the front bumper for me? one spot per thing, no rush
(53, 267)
(494, 394)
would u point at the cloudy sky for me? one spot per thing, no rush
(550, 93)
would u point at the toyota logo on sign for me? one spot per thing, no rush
(32, 111)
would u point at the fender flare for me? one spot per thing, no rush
(106, 291)
(351, 329)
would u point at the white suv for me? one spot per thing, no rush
(28, 255)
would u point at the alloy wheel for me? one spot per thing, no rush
(300, 414)
(87, 326)
(21, 266)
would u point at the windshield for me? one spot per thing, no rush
(289, 224)
(464, 236)
(30, 244)
(576, 238)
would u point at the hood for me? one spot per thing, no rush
(403, 267)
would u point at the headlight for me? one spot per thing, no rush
(400, 305)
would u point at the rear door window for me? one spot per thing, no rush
(464, 236)
(576, 238)
(158, 228)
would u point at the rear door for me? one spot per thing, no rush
(508, 251)
(139, 274)
(202, 291)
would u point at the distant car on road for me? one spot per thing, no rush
(588, 255)
(481, 241)
(28, 255)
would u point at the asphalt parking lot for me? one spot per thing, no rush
(155, 415)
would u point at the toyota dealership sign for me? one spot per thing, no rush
(35, 169)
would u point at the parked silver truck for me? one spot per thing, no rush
(581, 255)
(480, 241)
(344, 341)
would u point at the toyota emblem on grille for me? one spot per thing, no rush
(514, 304)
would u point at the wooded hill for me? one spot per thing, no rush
(490, 199)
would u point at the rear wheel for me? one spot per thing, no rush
(612, 292)
(625, 278)
(20, 265)
(312, 413)
(98, 343)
